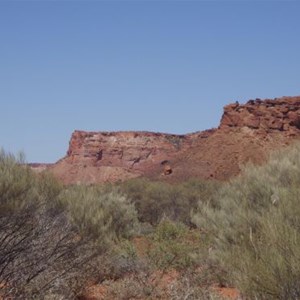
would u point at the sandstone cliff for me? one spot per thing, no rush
(246, 133)
(111, 156)
(279, 114)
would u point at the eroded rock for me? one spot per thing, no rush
(279, 114)
(247, 132)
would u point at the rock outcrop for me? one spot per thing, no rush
(130, 150)
(246, 133)
(112, 156)
(279, 114)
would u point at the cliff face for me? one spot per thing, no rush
(130, 150)
(279, 114)
(111, 156)
(246, 133)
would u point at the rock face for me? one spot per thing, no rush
(112, 156)
(129, 150)
(279, 114)
(246, 133)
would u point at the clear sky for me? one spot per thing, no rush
(166, 66)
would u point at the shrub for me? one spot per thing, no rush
(128, 288)
(190, 287)
(154, 286)
(41, 252)
(125, 260)
(104, 215)
(256, 228)
(17, 185)
(156, 200)
(174, 246)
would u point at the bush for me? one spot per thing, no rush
(156, 200)
(160, 286)
(104, 215)
(41, 252)
(255, 223)
(174, 246)
(17, 185)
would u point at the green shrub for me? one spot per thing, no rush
(156, 200)
(17, 184)
(174, 245)
(103, 215)
(20, 188)
(41, 252)
(255, 222)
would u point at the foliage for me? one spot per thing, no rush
(255, 222)
(104, 215)
(174, 246)
(17, 185)
(41, 252)
(156, 200)
(53, 239)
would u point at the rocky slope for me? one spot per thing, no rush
(246, 133)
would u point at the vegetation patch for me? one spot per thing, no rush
(255, 222)
(152, 240)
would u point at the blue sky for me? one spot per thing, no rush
(166, 66)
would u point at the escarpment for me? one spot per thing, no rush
(130, 150)
(247, 132)
(112, 156)
(281, 114)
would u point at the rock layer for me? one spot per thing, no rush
(111, 156)
(130, 150)
(279, 114)
(246, 133)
